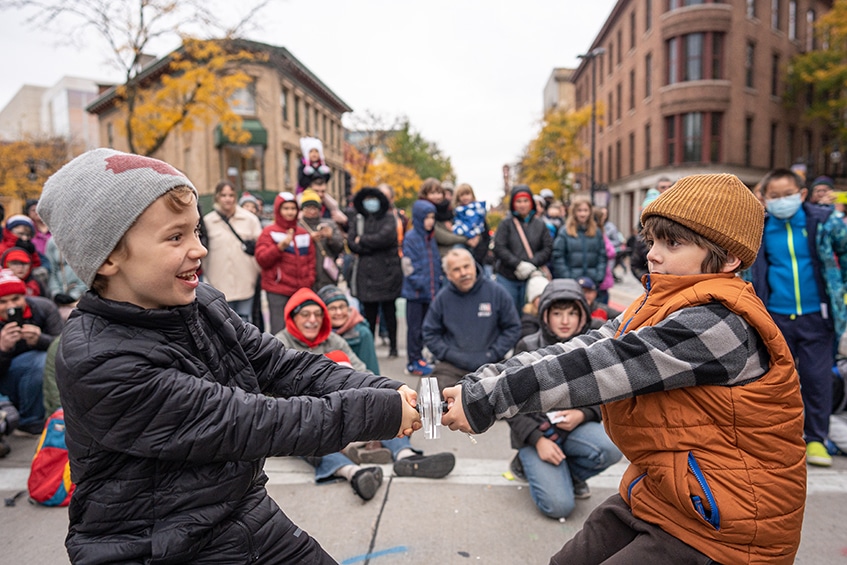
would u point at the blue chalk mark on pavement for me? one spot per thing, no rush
(365, 557)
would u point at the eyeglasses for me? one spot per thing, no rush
(339, 308)
(306, 314)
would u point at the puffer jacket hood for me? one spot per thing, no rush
(278, 220)
(370, 192)
(557, 290)
(297, 299)
(420, 210)
(521, 189)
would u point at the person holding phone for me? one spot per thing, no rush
(29, 325)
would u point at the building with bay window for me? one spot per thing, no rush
(695, 86)
(284, 102)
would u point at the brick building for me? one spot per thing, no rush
(695, 86)
(285, 102)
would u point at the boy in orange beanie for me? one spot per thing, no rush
(698, 389)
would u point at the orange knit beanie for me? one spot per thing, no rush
(718, 207)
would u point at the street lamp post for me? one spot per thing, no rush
(590, 56)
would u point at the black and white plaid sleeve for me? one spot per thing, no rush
(701, 345)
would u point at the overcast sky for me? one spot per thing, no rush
(469, 74)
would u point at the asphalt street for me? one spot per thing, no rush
(475, 515)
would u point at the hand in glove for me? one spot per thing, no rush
(524, 270)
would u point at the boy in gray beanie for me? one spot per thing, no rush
(171, 401)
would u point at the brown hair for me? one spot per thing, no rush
(461, 190)
(659, 227)
(429, 186)
(571, 225)
(177, 199)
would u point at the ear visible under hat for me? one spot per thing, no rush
(718, 207)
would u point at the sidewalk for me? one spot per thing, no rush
(474, 515)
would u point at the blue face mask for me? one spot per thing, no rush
(785, 207)
(370, 205)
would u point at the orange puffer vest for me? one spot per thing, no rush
(721, 468)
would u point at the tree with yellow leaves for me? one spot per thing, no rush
(373, 172)
(26, 165)
(198, 86)
(199, 78)
(555, 151)
(817, 79)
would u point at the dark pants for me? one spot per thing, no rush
(415, 314)
(448, 374)
(811, 341)
(389, 311)
(613, 536)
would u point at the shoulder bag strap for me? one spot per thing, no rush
(523, 237)
(226, 221)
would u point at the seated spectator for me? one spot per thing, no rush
(19, 262)
(29, 325)
(559, 451)
(471, 322)
(308, 328)
(349, 323)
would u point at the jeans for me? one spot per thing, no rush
(23, 385)
(328, 465)
(243, 308)
(588, 450)
(516, 289)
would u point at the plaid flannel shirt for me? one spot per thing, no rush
(695, 346)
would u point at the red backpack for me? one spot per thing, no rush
(50, 475)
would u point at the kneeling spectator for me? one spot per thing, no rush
(29, 325)
(559, 451)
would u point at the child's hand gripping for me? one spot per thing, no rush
(411, 421)
(455, 418)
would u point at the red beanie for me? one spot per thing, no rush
(339, 357)
(10, 284)
(16, 254)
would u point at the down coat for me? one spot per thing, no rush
(170, 414)
(378, 275)
(286, 271)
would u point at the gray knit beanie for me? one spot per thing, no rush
(91, 202)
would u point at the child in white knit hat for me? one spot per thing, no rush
(171, 401)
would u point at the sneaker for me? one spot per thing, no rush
(366, 482)
(516, 467)
(419, 368)
(426, 466)
(372, 453)
(29, 430)
(580, 489)
(392, 354)
(816, 454)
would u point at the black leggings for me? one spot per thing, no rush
(388, 310)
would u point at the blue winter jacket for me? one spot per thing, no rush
(422, 276)
(471, 329)
(827, 237)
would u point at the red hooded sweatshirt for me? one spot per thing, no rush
(301, 296)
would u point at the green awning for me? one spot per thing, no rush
(258, 134)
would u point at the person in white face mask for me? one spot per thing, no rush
(800, 275)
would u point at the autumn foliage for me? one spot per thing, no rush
(555, 152)
(26, 165)
(817, 79)
(197, 87)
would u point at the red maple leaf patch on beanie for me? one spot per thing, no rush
(122, 163)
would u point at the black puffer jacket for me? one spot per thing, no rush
(525, 427)
(378, 274)
(169, 417)
(509, 249)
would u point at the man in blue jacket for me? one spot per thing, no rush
(471, 322)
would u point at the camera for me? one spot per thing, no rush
(15, 315)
